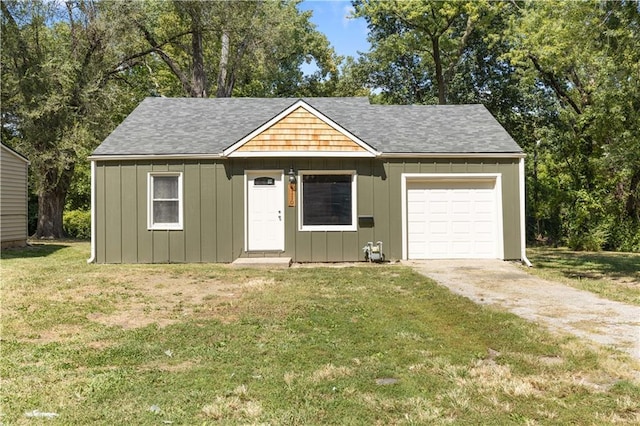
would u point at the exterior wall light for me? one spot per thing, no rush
(291, 197)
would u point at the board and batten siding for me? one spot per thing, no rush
(214, 219)
(13, 198)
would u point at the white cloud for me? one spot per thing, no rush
(346, 16)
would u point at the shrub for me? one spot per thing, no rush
(77, 224)
(584, 227)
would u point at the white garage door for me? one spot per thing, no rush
(452, 219)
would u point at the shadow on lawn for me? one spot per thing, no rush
(574, 264)
(32, 250)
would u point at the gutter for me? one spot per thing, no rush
(92, 259)
(523, 241)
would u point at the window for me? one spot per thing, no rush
(165, 200)
(328, 201)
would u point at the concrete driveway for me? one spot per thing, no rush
(557, 306)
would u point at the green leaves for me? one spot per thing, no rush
(56, 104)
(585, 54)
(418, 47)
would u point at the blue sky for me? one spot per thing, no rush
(347, 36)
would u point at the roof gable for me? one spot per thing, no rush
(300, 130)
(15, 154)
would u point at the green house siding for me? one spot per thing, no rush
(213, 202)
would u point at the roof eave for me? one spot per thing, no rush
(147, 157)
(112, 157)
(453, 155)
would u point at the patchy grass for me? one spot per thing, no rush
(209, 344)
(615, 276)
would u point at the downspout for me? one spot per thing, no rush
(523, 234)
(92, 259)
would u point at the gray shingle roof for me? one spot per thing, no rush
(161, 126)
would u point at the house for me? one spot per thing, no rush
(313, 179)
(13, 198)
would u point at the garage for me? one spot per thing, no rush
(453, 218)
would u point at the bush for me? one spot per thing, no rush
(77, 224)
(584, 227)
(625, 236)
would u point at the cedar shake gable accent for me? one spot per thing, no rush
(300, 130)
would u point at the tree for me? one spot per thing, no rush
(417, 46)
(225, 48)
(348, 80)
(57, 61)
(585, 56)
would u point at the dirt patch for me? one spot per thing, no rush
(56, 333)
(559, 307)
(140, 300)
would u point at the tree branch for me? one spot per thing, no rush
(148, 51)
(463, 44)
(173, 66)
(552, 81)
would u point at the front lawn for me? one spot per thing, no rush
(614, 276)
(209, 344)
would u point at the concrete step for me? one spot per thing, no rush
(262, 262)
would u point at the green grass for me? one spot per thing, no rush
(209, 344)
(615, 276)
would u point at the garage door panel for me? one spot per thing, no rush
(460, 207)
(484, 247)
(452, 219)
(438, 207)
(461, 247)
(461, 228)
(483, 206)
(439, 239)
(437, 221)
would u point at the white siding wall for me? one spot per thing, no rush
(13, 198)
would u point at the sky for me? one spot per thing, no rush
(347, 36)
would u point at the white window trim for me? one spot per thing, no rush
(417, 177)
(354, 201)
(164, 226)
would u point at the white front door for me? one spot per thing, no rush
(265, 210)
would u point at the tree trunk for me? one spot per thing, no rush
(442, 96)
(51, 202)
(633, 203)
(199, 77)
(223, 91)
